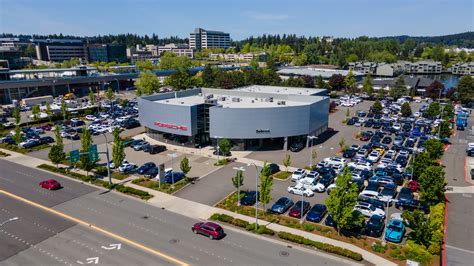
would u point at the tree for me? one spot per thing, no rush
(109, 94)
(466, 89)
(171, 61)
(86, 142)
(434, 90)
(377, 107)
(444, 129)
(56, 154)
(342, 143)
(433, 110)
(432, 184)
(208, 76)
(49, 113)
(287, 161)
(350, 82)
(308, 81)
(118, 152)
(367, 86)
(421, 229)
(17, 136)
(116, 134)
(319, 82)
(342, 200)
(406, 109)
(57, 134)
(336, 81)
(421, 162)
(92, 98)
(448, 112)
(185, 166)
(224, 146)
(64, 109)
(147, 83)
(398, 89)
(180, 80)
(35, 110)
(238, 181)
(16, 115)
(266, 183)
(434, 148)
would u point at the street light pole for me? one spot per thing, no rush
(239, 169)
(172, 155)
(257, 194)
(108, 158)
(310, 140)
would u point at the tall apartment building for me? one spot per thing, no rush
(202, 39)
(59, 49)
(106, 53)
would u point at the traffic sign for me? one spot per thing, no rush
(74, 156)
(93, 154)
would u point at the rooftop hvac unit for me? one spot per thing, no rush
(211, 101)
(222, 98)
(210, 96)
(281, 102)
(269, 99)
(252, 101)
(235, 99)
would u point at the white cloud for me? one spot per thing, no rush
(266, 16)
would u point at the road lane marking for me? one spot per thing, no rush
(99, 229)
(460, 249)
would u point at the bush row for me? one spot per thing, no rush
(15, 148)
(262, 229)
(91, 179)
(321, 246)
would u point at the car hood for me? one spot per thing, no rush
(392, 234)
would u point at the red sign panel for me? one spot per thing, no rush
(171, 126)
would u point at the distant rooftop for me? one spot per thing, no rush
(314, 72)
(280, 90)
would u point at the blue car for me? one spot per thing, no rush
(395, 231)
(282, 205)
(145, 167)
(317, 213)
(173, 177)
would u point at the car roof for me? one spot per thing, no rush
(212, 225)
(52, 180)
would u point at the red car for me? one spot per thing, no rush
(295, 211)
(413, 185)
(50, 184)
(46, 127)
(212, 230)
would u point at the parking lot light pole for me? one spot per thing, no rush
(256, 197)
(172, 155)
(310, 140)
(241, 169)
(9, 220)
(108, 158)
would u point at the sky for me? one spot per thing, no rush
(241, 18)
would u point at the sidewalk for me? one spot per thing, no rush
(203, 212)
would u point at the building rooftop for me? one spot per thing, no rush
(314, 72)
(280, 90)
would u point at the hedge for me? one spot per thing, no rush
(262, 229)
(15, 148)
(321, 246)
(91, 179)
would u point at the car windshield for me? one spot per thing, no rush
(281, 201)
(394, 228)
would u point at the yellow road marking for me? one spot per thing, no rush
(108, 233)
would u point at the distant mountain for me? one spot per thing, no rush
(464, 39)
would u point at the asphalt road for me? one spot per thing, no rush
(152, 227)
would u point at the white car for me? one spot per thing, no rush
(322, 164)
(361, 165)
(373, 157)
(417, 114)
(362, 153)
(299, 189)
(336, 160)
(309, 183)
(91, 117)
(337, 168)
(75, 120)
(368, 209)
(397, 127)
(126, 166)
(312, 175)
(369, 194)
(298, 174)
(347, 104)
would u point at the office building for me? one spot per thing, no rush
(59, 49)
(13, 56)
(179, 49)
(203, 39)
(250, 117)
(106, 53)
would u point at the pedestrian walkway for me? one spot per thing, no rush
(203, 212)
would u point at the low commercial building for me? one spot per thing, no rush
(180, 49)
(252, 117)
(363, 67)
(419, 84)
(237, 57)
(325, 73)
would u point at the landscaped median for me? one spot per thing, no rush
(164, 187)
(287, 236)
(15, 148)
(96, 181)
(282, 175)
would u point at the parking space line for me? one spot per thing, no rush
(99, 229)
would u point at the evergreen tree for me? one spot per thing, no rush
(350, 82)
(367, 85)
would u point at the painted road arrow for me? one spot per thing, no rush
(112, 246)
(94, 260)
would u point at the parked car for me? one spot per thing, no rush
(298, 174)
(282, 205)
(154, 149)
(324, 183)
(412, 205)
(349, 153)
(145, 167)
(139, 145)
(329, 221)
(126, 167)
(405, 194)
(395, 231)
(172, 176)
(249, 199)
(50, 184)
(317, 213)
(296, 211)
(296, 147)
(274, 168)
(151, 173)
(388, 193)
(299, 189)
(209, 229)
(368, 209)
(46, 140)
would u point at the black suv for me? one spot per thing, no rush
(296, 147)
(154, 149)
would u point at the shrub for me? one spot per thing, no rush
(215, 217)
(101, 170)
(240, 223)
(416, 252)
(308, 227)
(377, 247)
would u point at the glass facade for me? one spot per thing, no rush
(97, 53)
(117, 53)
